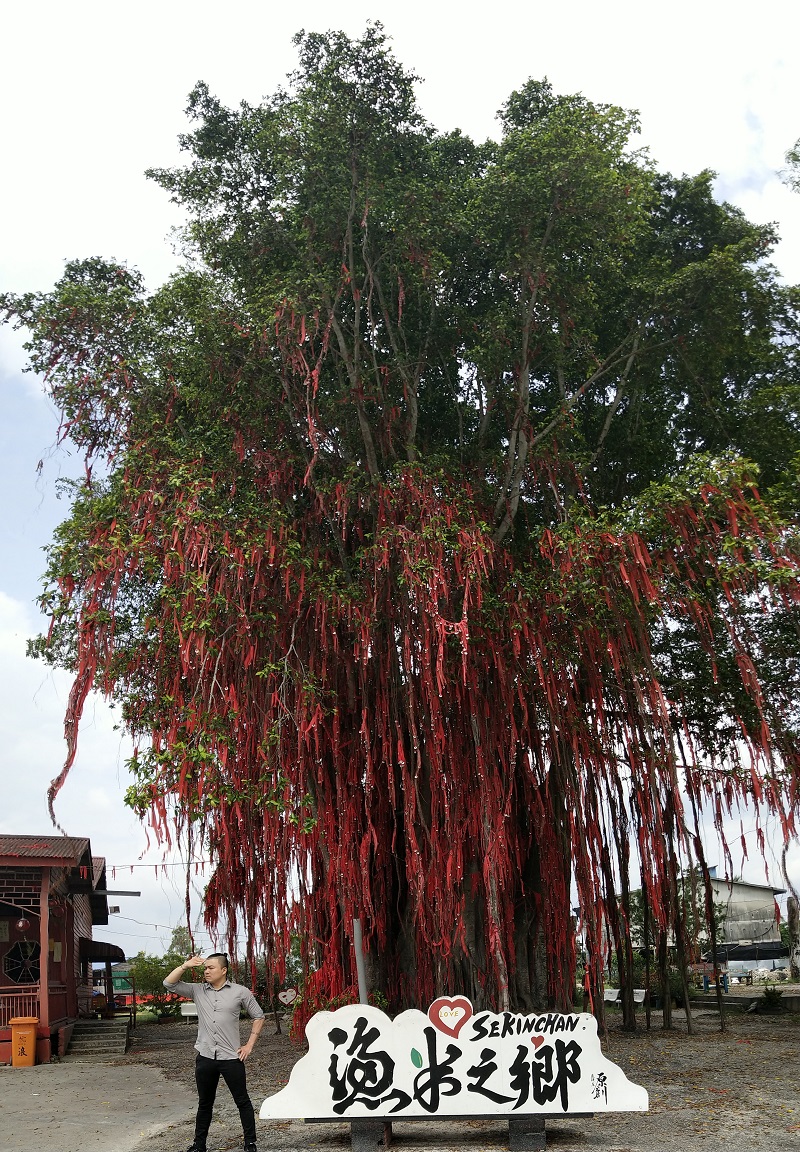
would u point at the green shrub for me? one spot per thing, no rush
(772, 998)
(149, 973)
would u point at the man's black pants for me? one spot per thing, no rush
(207, 1073)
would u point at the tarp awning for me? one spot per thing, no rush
(99, 950)
(768, 950)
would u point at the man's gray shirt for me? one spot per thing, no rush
(218, 1015)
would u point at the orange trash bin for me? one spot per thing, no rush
(23, 1041)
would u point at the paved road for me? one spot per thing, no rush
(87, 1107)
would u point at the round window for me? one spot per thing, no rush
(21, 962)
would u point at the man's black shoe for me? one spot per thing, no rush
(250, 1146)
(196, 1148)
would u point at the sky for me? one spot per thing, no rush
(94, 93)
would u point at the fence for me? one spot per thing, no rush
(22, 1001)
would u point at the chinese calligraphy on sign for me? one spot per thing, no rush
(451, 1061)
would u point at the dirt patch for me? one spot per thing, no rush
(737, 1091)
(170, 1047)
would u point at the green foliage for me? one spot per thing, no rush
(792, 175)
(149, 971)
(307, 1005)
(772, 999)
(180, 942)
(268, 984)
(691, 903)
(656, 983)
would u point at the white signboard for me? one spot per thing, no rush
(451, 1062)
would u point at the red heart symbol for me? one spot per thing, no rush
(537, 1040)
(450, 1014)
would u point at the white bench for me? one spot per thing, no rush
(612, 995)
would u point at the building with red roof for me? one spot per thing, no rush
(52, 894)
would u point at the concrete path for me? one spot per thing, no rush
(87, 1107)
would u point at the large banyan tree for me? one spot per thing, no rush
(420, 540)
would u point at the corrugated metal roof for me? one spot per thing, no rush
(731, 885)
(44, 847)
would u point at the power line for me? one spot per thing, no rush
(145, 923)
(166, 927)
(148, 923)
(163, 864)
(137, 935)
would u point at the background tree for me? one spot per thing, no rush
(792, 175)
(148, 972)
(181, 943)
(424, 559)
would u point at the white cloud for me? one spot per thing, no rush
(32, 702)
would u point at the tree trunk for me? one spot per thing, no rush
(663, 969)
(530, 968)
(682, 964)
(793, 915)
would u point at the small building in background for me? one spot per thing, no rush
(52, 895)
(750, 931)
(122, 984)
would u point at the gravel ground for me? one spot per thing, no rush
(737, 1091)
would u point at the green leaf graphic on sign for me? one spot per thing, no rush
(416, 1059)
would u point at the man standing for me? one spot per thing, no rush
(219, 1051)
